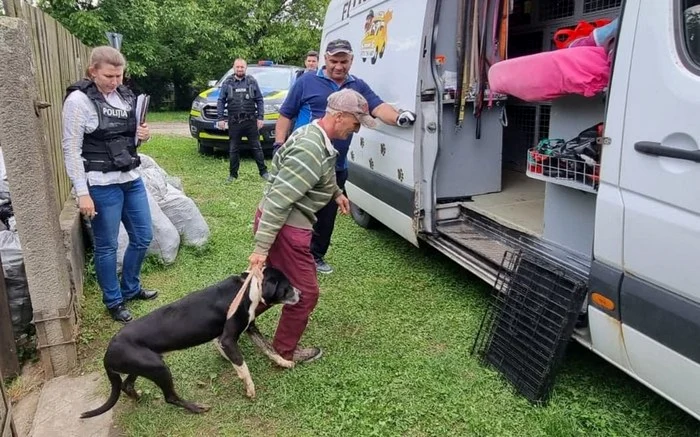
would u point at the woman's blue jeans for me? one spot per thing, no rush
(117, 203)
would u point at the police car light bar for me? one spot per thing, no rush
(266, 63)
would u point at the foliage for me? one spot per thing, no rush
(176, 46)
(396, 323)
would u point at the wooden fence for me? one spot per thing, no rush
(60, 59)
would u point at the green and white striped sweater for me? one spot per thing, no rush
(303, 181)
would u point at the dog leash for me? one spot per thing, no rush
(236, 302)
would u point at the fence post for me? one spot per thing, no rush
(29, 171)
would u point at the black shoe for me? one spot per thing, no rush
(120, 314)
(144, 294)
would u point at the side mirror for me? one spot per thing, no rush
(211, 83)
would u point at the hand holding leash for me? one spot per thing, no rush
(257, 261)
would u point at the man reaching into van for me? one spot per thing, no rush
(303, 181)
(306, 101)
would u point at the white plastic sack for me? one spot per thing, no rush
(155, 182)
(184, 214)
(166, 239)
(122, 242)
(4, 185)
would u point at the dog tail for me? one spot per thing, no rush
(116, 380)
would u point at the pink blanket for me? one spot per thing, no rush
(548, 75)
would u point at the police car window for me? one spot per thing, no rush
(691, 28)
(268, 78)
(273, 78)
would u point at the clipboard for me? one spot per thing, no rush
(142, 102)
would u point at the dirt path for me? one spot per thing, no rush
(169, 128)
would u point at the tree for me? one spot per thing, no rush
(178, 45)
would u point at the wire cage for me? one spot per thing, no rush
(524, 333)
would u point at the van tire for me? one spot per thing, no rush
(361, 217)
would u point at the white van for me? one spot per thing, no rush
(473, 188)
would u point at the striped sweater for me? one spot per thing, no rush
(303, 181)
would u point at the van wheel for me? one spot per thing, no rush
(364, 59)
(204, 150)
(361, 217)
(381, 54)
(374, 58)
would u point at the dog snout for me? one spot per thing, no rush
(294, 298)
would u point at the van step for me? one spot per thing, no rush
(491, 240)
(469, 234)
(524, 332)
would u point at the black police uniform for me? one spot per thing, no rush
(245, 106)
(111, 146)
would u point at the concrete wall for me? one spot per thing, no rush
(34, 199)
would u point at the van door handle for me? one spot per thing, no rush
(656, 149)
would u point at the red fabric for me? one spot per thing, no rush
(291, 254)
(548, 75)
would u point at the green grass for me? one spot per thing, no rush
(168, 116)
(396, 323)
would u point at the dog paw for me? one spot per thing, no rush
(198, 408)
(250, 391)
(287, 364)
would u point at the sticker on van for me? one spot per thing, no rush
(375, 37)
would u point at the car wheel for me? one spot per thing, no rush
(361, 217)
(203, 149)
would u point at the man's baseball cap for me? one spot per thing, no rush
(339, 46)
(352, 102)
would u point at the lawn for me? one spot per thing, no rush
(396, 323)
(171, 117)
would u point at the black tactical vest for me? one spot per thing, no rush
(111, 146)
(241, 98)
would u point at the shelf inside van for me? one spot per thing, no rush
(572, 173)
(449, 99)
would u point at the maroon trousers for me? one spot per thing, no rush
(291, 254)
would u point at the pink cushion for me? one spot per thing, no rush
(548, 75)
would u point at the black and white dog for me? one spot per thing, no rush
(136, 350)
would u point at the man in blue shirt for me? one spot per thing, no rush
(307, 101)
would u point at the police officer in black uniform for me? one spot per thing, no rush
(246, 110)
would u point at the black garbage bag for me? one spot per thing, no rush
(15, 282)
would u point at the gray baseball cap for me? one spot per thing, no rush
(352, 102)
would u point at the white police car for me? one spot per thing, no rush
(274, 82)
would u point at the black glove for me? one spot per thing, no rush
(275, 147)
(405, 118)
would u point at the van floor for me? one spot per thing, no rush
(519, 204)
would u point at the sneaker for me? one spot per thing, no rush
(266, 176)
(230, 179)
(323, 267)
(307, 354)
(120, 314)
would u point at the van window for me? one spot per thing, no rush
(691, 28)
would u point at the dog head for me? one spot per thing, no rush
(276, 288)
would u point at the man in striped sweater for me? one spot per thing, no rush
(302, 182)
